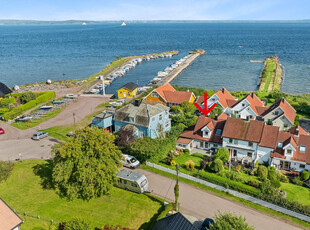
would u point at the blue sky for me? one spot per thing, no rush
(155, 9)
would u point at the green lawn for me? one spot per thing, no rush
(24, 192)
(268, 75)
(296, 193)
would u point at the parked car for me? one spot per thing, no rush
(206, 223)
(39, 135)
(71, 96)
(2, 131)
(132, 181)
(130, 161)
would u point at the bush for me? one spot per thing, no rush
(271, 169)
(190, 165)
(217, 165)
(304, 175)
(254, 183)
(238, 167)
(26, 97)
(233, 176)
(276, 183)
(261, 172)
(7, 102)
(75, 224)
(272, 175)
(186, 151)
(230, 221)
(222, 153)
(256, 164)
(5, 170)
(266, 187)
(297, 181)
(283, 178)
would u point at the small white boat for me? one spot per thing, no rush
(46, 107)
(123, 24)
(84, 24)
(162, 74)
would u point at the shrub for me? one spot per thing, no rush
(283, 178)
(186, 151)
(276, 183)
(272, 175)
(230, 221)
(75, 224)
(217, 165)
(297, 181)
(7, 102)
(233, 176)
(190, 165)
(266, 187)
(256, 164)
(238, 167)
(254, 183)
(5, 170)
(261, 172)
(222, 153)
(271, 169)
(304, 175)
(26, 97)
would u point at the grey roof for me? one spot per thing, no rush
(130, 85)
(104, 114)
(129, 175)
(174, 222)
(141, 113)
(4, 90)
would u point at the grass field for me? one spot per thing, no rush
(268, 75)
(27, 190)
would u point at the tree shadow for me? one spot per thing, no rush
(45, 171)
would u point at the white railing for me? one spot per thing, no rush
(233, 192)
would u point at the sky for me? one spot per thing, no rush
(155, 9)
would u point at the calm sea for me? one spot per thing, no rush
(35, 53)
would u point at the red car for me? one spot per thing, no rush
(2, 131)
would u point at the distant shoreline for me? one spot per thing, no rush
(80, 22)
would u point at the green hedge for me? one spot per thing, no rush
(29, 105)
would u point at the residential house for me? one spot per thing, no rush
(249, 141)
(4, 90)
(9, 220)
(143, 119)
(205, 135)
(104, 120)
(168, 96)
(129, 90)
(292, 151)
(176, 221)
(280, 114)
(222, 97)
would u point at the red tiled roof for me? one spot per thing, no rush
(238, 129)
(177, 96)
(224, 95)
(288, 110)
(254, 102)
(200, 100)
(269, 136)
(278, 153)
(201, 122)
(301, 131)
(261, 109)
(231, 102)
(223, 116)
(166, 87)
(303, 156)
(184, 140)
(8, 218)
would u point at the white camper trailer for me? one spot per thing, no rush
(132, 181)
(130, 161)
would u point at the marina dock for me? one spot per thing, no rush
(193, 55)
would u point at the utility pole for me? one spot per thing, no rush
(74, 120)
(176, 190)
(229, 159)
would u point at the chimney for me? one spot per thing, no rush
(137, 102)
(187, 90)
(297, 131)
(216, 117)
(222, 90)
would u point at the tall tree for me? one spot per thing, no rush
(124, 137)
(85, 167)
(228, 221)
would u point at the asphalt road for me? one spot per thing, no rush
(203, 204)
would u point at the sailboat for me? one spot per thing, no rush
(123, 24)
(84, 24)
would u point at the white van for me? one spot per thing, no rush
(132, 181)
(130, 161)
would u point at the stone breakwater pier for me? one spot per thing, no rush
(193, 55)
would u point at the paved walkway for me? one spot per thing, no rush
(202, 204)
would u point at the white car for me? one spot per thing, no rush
(71, 96)
(39, 135)
(130, 161)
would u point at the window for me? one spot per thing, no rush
(215, 145)
(167, 123)
(250, 143)
(250, 154)
(134, 185)
(128, 94)
(121, 92)
(125, 181)
(235, 153)
(160, 117)
(206, 133)
(235, 141)
(276, 113)
(280, 144)
(166, 112)
(218, 132)
(230, 140)
(120, 181)
(154, 95)
(288, 151)
(141, 133)
(143, 183)
(243, 104)
(302, 166)
(206, 145)
(302, 148)
(201, 144)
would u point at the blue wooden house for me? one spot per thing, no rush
(104, 120)
(143, 119)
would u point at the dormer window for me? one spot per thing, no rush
(218, 132)
(243, 104)
(302, 148)
(154, 94)
(288, 152)
(280, 144)
(131, 119)
(276, 113)
(206, 133)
